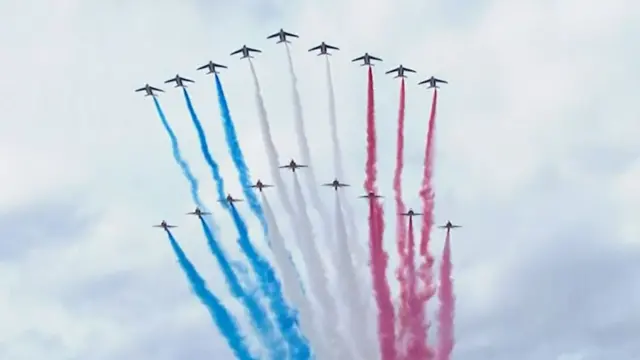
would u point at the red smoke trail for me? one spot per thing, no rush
(378, 257)
(416, 345)
(425, 271)
(401, 230)
(447, 304)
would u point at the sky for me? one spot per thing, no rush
(536, 158)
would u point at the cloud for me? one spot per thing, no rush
(536, 158)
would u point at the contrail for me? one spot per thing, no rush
(317, 277)
(427, 196)
(447, 304)
(379, 258)
(303, 146)
(221, 317)
(401, 230)
(292, 283)
(237, 156)
(348, 288)
(258, 317)
(286, 318)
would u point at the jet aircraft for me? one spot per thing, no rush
(367, 59)
(400, 70)
(229, 199)
(433, 82)
(179, 80)
(259, 185)
(449, 226)
(149, 89)
(211, 66)
(370, 196)
(292, 165)
(410, 213)
(198, 212)
(335, 184)
(282, 36)
(323, 48)
(164, 225)
(245, 51)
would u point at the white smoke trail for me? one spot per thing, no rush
(301, 234)
(357, 315)
(303, 145)
(317, 278)
(358, 250)
(292, 285)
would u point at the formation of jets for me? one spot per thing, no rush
(292, 165)
(323, 49)
(282, 36)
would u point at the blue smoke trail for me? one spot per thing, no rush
(238, 157)
(259, 318)
(232, 280)
(221, 317)
(286, 317)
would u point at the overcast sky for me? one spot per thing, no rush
(537, 158)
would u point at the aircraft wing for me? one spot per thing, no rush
(315, 48)
(171, 226)
(237, 52)
(285, 166)
(254, 50)
(343, 185)
(290, 34)
(358, 59)
(441, 81)
(327, 184)
(155, 89)
(301, 166)
(171, 80)
(374, 58)
(187, 80)
(206, 66)
(274, 35)
(409, 70)
(456, 226)
(423, 82)
(141, 89)
(331, 47)
(392, 70)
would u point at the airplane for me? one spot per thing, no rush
(179, 80)
(230, 199)
(212, 67)
(292, 166)
(400, 70)
(164, 225)
(259, 185)
(410, 213)
(370, 196)
(335, 184)
(367, 59)
(244, 50)
(449, 226)
(198, 212)
(149, 89)
(432, 81)
(323, 48)
(282, 36)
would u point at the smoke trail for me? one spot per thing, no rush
(317, 277)
(293, 284)
(237, 156)
(270, 285)
(416, 346)
(357, 250)
(348, 288)
(386, 321)
(447, 304)
(303, 145)
(401, 231)
(270, 147)
(425, 272)
(222, 318)
(259, 319)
